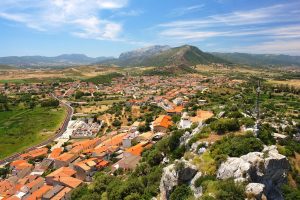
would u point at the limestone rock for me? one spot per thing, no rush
(173, 175)
(255, 191)
(196, 190)
(267, 167)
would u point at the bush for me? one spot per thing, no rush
(225, 125)
(290, 193)
(228, 190)
(50, 103)
(265, 134)
(181, 192)
(247, 121)
(236, 146)
(201, 179)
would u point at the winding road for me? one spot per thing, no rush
(59, 132)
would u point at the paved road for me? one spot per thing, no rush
(59, 132)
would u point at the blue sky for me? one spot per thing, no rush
(109, 27)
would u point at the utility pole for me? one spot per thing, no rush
(256, 127)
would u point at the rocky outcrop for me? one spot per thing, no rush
(255, 191)
(174, 174)
(196, 190)
(267, 167)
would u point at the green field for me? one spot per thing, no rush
(20, 129)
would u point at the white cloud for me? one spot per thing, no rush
(185, 10)
(291, 47)
(80, 17)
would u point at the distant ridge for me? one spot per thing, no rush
(259, 59)
(160, 56)
(44, 61)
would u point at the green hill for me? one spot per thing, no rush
(179, 56)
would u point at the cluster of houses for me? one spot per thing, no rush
(52, 173)
(45, 173)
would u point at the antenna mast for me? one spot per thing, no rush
(256, 127)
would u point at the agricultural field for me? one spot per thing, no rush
(21, 128)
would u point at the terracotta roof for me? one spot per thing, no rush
(7, 188)
(137, 149)
(103, 163)
(13, 198)
(35, 182)
(65, 157)
(61, 194)
(163, 120)
(55, 153)
(177, 109)
(61, 172)
(202, 115)
(115, 140)
(20, 164)
(17, 162)
(35, 153)
(39, 193)
(69, 181)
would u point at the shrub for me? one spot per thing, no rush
(229, 190)
(201, 179)
(225, 125)
(181, 192)
(236, 146)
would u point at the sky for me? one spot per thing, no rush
(110, 27)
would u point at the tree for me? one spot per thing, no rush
(116, 123)
(181, 192)
(79, 94)
(176, 118)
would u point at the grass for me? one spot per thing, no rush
(20, 129)
(205, 163)
(293, 82)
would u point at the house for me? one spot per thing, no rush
(34, 154)
(177, 110)
(147, 136)
(185, 121)
(64, 194)
(52, 192)
(39, 193)
(134, 126)
(162, 123)
(33, 186)
(55, 153)
(137, 149)
(61, 172)
(64, 160)
(20, 168)
(201, 116)
(7, 188)
(86, 169)
(67, 181)
(129, 161)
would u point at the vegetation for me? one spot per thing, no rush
(234, 146)
(21, 128)
(104, 79)
(225, 125)
(181, 192)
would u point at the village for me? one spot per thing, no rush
(112, 125)
(52, 172)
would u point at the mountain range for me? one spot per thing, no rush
(165, 56)
(259, 59)
(43, 61)
(159, 56)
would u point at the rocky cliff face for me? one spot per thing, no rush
(268, 168)
(174, 174)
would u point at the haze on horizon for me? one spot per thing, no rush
(109, 27)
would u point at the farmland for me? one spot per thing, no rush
(21, 128)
